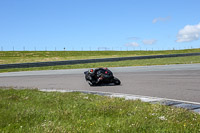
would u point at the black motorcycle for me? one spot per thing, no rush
(100, 76)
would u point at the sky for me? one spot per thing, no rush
(99, 24)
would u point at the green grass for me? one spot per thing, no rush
(144, 62)
(9, 57)
(35, 111)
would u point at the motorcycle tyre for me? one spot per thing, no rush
(117, 81)
(91, 84)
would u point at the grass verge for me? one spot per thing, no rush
(144, 62)
(10, 57)
(35, 111)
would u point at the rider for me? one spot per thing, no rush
(96, 74)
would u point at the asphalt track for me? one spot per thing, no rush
(180, 82)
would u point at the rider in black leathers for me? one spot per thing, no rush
(95, 75)
(100, 76)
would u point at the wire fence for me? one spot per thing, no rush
(93, 49)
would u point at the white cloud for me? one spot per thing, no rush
(161, 19)
(189, 33)
(149, 42)
(132, 44)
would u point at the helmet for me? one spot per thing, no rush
(91, 71)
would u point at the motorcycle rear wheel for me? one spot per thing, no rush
(92, 83)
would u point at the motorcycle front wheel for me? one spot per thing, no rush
(117, 81)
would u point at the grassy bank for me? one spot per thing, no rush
(35, 111)
(9, 57)
(144, 62)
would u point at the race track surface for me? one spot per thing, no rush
(180, 82)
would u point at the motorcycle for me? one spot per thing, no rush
(100, 76)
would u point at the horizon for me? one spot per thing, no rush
(97, 50)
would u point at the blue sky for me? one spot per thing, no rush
(93, 24)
